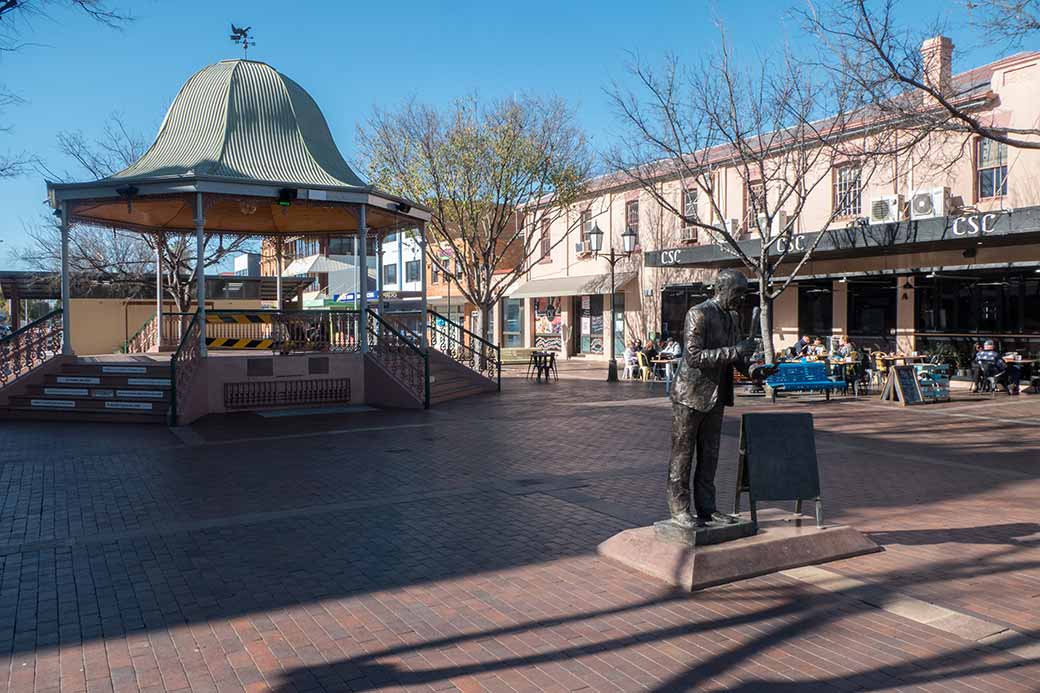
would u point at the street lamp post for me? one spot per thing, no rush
(628, 241)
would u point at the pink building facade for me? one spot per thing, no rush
(929, 256)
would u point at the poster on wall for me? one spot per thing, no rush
(548, 324)
(586, 302)
(586, 325)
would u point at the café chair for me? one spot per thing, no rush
(646, 373)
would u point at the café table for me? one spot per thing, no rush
(1026, 372)
(668, 364)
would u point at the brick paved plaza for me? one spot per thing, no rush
(455, 549)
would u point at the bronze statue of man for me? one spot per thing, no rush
(702, 388)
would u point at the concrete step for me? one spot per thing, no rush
(124, 381)
(127, 393)
(99, 368)
(32, 414)
(73, 405)
(437, 397)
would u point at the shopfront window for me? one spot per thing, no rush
(984, 303)
(815, 309)
(548, 323)
(872, 311)
(675, 302)
(513, 326)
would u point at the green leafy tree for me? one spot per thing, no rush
(491, 173)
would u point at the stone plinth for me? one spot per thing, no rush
(783, 541)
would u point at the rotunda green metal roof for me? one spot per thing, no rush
(244, 120)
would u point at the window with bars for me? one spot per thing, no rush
(689, 210)
(991, 169)
(848, 191)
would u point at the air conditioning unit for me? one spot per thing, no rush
(927, 204)
(886, 209)
(688, 234)
(582, 248)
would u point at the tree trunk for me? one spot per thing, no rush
(765, 318)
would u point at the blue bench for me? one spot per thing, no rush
(802, 377)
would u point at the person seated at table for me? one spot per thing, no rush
(846, 347)
(991, 364)
(672, 349)
(650, 350)
(802, 346)
(818, 348)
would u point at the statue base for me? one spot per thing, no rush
(709, 533)
(784, 540)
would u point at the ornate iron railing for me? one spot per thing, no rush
(464, 347)
(284, 331)
(399, 351)
(184, 366)
(30, 347)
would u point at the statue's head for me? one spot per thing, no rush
(730, 287)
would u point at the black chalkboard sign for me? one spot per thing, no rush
(778, 460)
(906, 379)
(902, 386)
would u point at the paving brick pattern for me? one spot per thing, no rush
(455, 550)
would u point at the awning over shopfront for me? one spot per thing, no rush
(588, 284)
(314, 264)
(967, 230)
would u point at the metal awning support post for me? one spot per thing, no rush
(66, 292)
(200, 271)
(362, 253)
(278, 271)
(16, 309)
(158, 290)
(379, 274)
(422, 273)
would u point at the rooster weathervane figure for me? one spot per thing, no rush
(242, 37)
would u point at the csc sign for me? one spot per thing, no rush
(974, 225)
(670, 257)
(795, 244)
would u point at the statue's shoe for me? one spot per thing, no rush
(722, 518)
(686, 521)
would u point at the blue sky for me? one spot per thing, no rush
(353, 55)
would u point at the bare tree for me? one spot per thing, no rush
(686, 130)
(475, 166)
(885, 62)
(15, 22)
(1009, 22)
(118, 256)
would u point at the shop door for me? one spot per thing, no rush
(590, 325)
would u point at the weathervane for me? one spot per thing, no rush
(242, 37)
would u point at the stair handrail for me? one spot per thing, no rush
(396, 336)
(183, 365)
(133, 341)
(431, 326)
(28, 343)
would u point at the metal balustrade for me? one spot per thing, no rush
(464, 347)
(30, 347)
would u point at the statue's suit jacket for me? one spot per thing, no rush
(706, 369)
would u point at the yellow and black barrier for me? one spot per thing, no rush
(238, 318)
(233, 343)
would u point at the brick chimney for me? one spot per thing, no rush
(937, 63)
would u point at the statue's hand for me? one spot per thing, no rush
(746, 349)
(762, 371)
